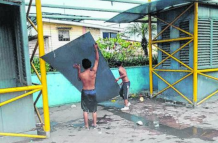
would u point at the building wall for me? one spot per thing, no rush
(17, 116)
(208, 13)
(32, 46)
(52, 42)
(50, 29)
(206, 49)
(61, 91)
(185, 86)
(94, 31)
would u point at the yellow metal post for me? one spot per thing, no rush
(18, 89)
(150, 57)
(22, 135)
(42, 68)
(195, 58)
(170, 24)
(188, 33)
(173, 87)
(173, 84)
(173, 53)
(172, 40)
(18, 97)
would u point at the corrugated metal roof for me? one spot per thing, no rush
(12, 2)
(150, 8)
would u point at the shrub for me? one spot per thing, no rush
(114, 49)
(129, 53)
(36, 63)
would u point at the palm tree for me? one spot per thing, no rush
(141, 29)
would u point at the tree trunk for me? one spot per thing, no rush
(144, 44)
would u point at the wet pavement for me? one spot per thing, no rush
(162, 122)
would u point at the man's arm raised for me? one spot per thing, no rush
(96, 58)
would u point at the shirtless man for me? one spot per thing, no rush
(124, 91)
(88, 99)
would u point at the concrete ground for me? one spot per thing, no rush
(162, 123)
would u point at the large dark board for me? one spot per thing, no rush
(64, 57)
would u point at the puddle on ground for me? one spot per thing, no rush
(185, 132)
(79, 125)
(111, 104)
(104, 120)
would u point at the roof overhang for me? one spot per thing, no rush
(84, 24)
(140, 11)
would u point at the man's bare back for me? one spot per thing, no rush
(89, 75)
(88, 79)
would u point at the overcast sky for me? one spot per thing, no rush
(87, 3)
(94, 14)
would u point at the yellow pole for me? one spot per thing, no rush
(207, 70)
(150, 57)
(173, 84)
(33, 25)
(172, 40)
(212, 94)
(18, 89)
(172, 87)
(18, 97)
(22, 135)
(195, 59)
(42, 68)
(35, 70)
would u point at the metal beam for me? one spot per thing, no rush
(145, 21)
(69, 17)
(63, 14)
(150, 56)
(47, 127)
(126, 1)
(77, 8)
(22, 135)
(195, 55)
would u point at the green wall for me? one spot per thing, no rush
(61, 91)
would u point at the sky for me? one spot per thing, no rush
(91, 4)
(94, 14)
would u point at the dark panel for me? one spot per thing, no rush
(64, 57)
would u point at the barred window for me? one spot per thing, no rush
(63, 35)
(184, 52)
(165, 46)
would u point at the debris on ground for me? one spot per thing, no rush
(140, 123)
(73, 106)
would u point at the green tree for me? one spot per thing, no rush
(141, 29)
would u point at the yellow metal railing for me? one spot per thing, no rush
(154, 42)
(192, 71)
(32, 89)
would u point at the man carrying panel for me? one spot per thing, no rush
(88, 97)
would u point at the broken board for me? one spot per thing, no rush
(66, 56)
